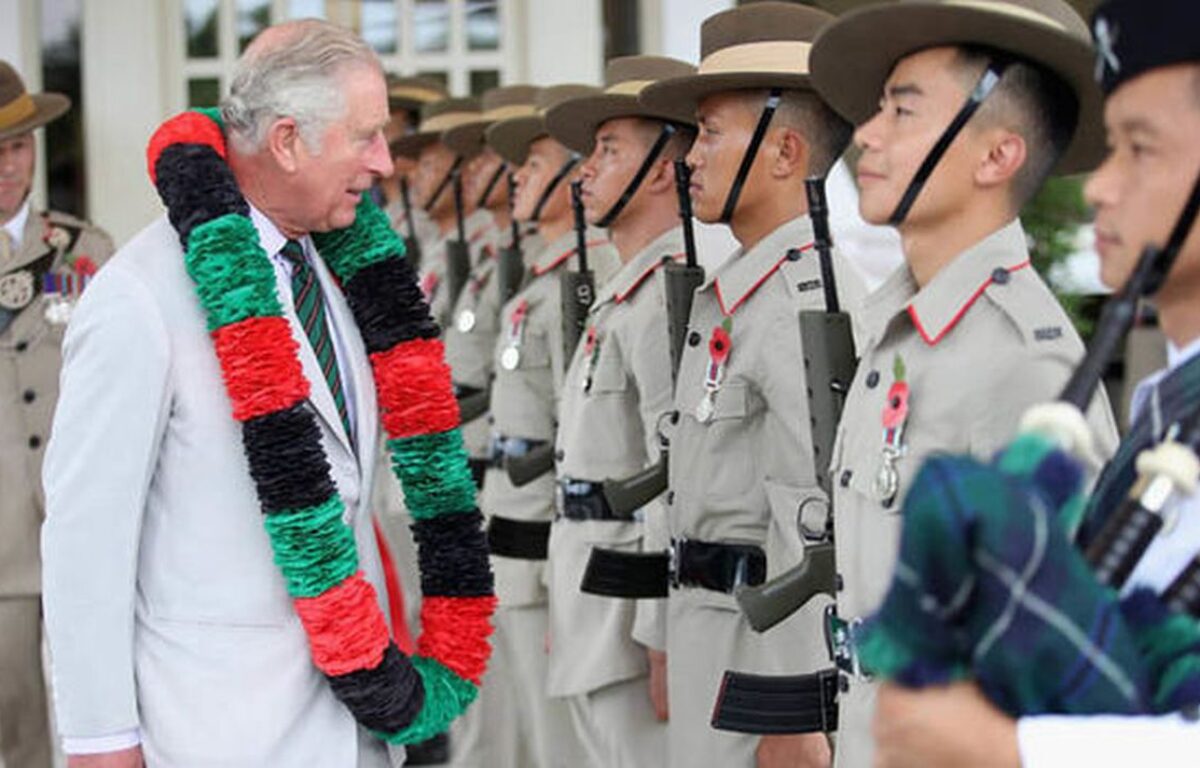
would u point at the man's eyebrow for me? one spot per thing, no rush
(1137, 125)
(904, 89)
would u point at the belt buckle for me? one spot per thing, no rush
(673, 559)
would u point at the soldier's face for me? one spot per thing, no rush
(17, 157)
(1152, 165)
(621, 147)
(725, 128)
(434, 162)
(546, 158)
(400, 125)
(353, 153)
(921, 97)
(480, 172)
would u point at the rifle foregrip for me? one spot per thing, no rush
(627, 496)
(768, 604)
(523, 470)
(511, 269)
(578, 292)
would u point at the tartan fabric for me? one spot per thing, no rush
(310, 311)
(1178, 393)
(989, 585)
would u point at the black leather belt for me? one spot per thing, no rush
(791, 704)
(585, 500)
(519, 539)
(465, 390)
(690, 563)
(512, 447)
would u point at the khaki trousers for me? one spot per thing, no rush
(24, 717)
(616, 726)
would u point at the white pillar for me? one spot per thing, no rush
(126, 81)
(564, 41)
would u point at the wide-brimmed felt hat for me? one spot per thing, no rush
(21, 111)
(436, 118)
(854, 56)
(502, 103)
(755, 46)
(511, 138)
(574, 122)
(412, 93)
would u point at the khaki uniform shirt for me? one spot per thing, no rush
(979, 344)
(434, 278)
(617, 387)
(426, 230)
(30, 358)
(744, 475)
(525, 399)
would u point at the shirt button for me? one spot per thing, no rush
(845, 478)
(839, 583)
(558, 455)
(670, 498)
(872, 379)
(35, 442)
(29, 396)
(22, 346)
(693, 338)
(1000, 276)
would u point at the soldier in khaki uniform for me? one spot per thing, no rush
(529, 364)
(46, 258)
(437, 165)
(406, 96)
(741, 459)
(967, 337)
(616, 389)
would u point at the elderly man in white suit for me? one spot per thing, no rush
(173, 639)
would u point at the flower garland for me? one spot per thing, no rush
(403, 700)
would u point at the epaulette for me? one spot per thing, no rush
(1030, 306)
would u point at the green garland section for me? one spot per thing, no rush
(369, 240)
(433, 474)
(313, 548)
(446, 697)
(233, 276)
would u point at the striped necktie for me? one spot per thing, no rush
(310, 310)
(1178, 395)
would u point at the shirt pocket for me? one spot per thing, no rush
(608, 377)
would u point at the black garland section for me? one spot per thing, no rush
(388, 305)
(196, 186)
(386, 698)
(448, 552)
(287, 462)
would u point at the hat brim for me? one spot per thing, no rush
(574, 123)
(410, 146)
(47, 107)
(682, 95)
(853, 57)
(467, 140)
(511, 138)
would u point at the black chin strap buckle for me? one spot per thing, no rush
(983, 88)
(760, 132)
(668, 130)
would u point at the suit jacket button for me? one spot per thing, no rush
(29, 395)
(22, 345)
(35, 442)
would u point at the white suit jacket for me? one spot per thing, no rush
(164, 608)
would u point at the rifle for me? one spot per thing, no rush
(680, 283)
(523, 470)
(511, 266)
(579, 287)
(829, 365)
(412, 246)
(458, 252)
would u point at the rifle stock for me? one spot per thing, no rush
(770, 603)
(474, 405)
(523, 470)
(627, 496)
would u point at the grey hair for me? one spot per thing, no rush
(294, 75)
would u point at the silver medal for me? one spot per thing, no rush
(466, 321)
(16, 290)
(887, 479)
(57, 310)
(510, 358)
(704, 410)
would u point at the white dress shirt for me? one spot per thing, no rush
(15, 227)
(1100, 741)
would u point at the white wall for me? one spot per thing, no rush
(20, 46)
(564, 41)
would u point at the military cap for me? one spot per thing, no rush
(755, 46)
(412, 93)
(498, 104)
(511, 138)
(853, 57)
(1135, 36)
(21, 111)
(574, 122)
(436, 118)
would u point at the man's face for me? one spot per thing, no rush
(400, 125)
(921, 97)
(434, 162)
(1139, 190)
(621, 147)
(480, 172)
(725, 128)
(353, 152)
(17, 156)
(546, 158)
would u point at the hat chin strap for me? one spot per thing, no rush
(441, 188)
(572, 161)
(760, 132)
(664, 135)
(1170, 252)
(491, 185)
(983, 88)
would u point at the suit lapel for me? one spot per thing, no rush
(32, 247)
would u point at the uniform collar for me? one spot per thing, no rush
(563, 248)
(16, 225)
(631, 276)
(937, 307)
(745, 271)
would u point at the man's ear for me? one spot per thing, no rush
(793, 154)
(661, 179)
(1005, 156)
(284, 143)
